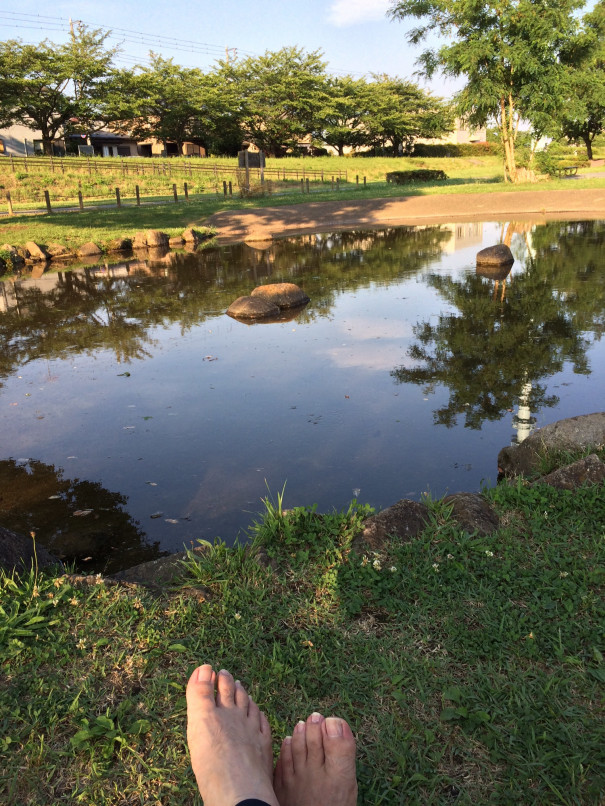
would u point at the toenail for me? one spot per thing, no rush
(287, 740)
(300, 727)
(333, 726)
(315, 717)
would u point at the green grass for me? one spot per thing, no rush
(466, 175)
(470, 668)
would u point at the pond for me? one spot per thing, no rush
(137, 417)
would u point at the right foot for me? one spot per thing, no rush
(316, 765)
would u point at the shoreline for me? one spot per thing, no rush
(265, 223)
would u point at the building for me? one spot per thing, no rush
(20, 141)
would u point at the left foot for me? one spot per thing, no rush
(229, 740)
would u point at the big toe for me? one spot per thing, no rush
(200, 689)
(338, 744)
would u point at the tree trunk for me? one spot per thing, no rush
(341, 150)
(588, 144)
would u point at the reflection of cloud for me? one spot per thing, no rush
(369, 356)
(370, 344)
(350, 12)
(362, 329)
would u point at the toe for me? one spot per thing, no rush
(225, 690)
(299, 746)
(314, 737)
(241, 696)
(339, 743)
(200, 688)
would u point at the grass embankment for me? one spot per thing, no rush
(466, 175)
(469, 667)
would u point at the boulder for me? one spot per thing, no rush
(35, 251)
(590, 470)
(498, 255)
(120, 245)
(191, 235)
(473, 513)
(155, 238)
(252, 308)
(572, 434)
(140, 241)
(89, 249)
(21, 553)
(176, 242)
(57, 250)
(493, 271)
(284, 295)
(158, 573)
(403, 520)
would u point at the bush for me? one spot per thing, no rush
(455, 150)
(409, 177)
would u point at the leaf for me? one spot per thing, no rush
(452, 693)
(140, 726)
(81, 513)
(124, 375)
(156, 515)
(177, 648)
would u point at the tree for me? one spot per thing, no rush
(400, 112)
(582, 116)
(509, 51)
(344, 117)
(282, 95)
(47, 87)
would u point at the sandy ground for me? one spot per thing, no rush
(264, 223)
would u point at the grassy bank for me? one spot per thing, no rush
(468, 667)
(466, 175)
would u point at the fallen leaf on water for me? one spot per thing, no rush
(86, 559)
(128, 428)
(52, 497)
(80, 513)
(156, 515)
(210, 358)
(152, 483)
(171, 520)
(124, 375)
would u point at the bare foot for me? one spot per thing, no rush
(229, 740)
(316, 765)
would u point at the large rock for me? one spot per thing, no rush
(89, 249)
(191, 235)
(58, 250)
(140, 241)
(473, 513)
(176, 242)
(284, 295)
(21, 553)
(155, 238)
(572, 434)
(498, 255)
(590, 470)
(252, 308)
(35, 251)
(119, 245)
(158, 573)
(403, 520)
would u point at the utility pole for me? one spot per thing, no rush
(228, 51)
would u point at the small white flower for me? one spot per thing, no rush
(564, 574)
(237, 616)
(377, 565)
(392, 569)
(364, 560)
(489, 553)
(436, 566)
(450, 556)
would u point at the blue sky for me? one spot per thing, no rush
(355, 36)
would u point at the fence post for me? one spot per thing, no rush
(80, 201)
(332, 184)
(9, 202)
(186, 189)
(338, 183)
(89, 168)
(118, 200)
(302, 185)
(224, 188)
(47, 200)
(138, 195)
(52, 164)
(176, 198)
(357, 179)
(230, 188)
(12, 164)
(308, 191)
(364, 182)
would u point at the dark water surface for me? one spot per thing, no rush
(128, 392)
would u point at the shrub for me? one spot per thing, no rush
(455, 149)
(408, 177)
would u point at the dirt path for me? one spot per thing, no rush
(264, 223)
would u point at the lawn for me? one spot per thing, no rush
(470, 668)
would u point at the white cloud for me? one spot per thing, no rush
(351, 12)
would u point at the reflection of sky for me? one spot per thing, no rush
(224, 410)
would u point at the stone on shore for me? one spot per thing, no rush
(140, 241)
(284, 295)
(89, 249)
(589, 470)
(473, 513)
(252, 308)
(158, 573)
(20, 553)
(498, 255)
(403, 520)
(58, 250)
(191, 235)
(119, 245)
(35, 252)
(176, 242)
(572, 434)
(155, 238)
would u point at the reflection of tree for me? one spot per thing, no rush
(491, 350)
(87, 311)
(34, 497)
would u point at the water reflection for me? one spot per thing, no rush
(133, 379)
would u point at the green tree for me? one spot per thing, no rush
(582, 116)
(509, 52)
(344, 118)
(282, 95)
(399, 112)
(49, 87)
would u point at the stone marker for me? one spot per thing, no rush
(497, 255)
(284, 295)
(252, 308)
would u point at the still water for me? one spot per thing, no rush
(137, 417)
